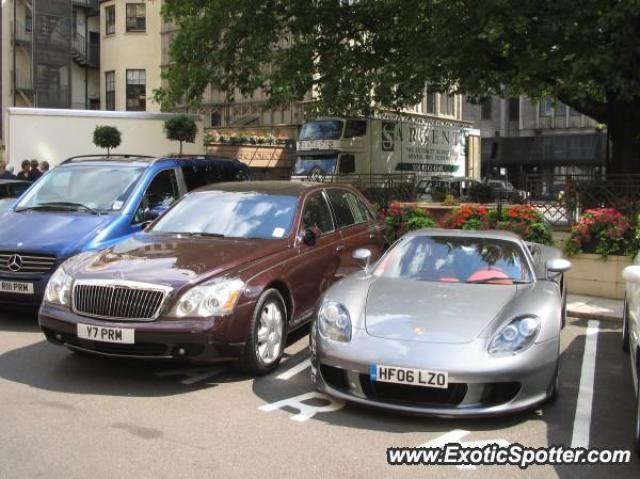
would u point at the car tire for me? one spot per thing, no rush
(267, 335)
(553, 391)
(625, 327)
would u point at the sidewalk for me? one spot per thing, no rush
(588, 307)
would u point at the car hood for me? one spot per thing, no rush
(173, 260)
(57, 233)
(433, 312)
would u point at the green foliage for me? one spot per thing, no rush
(401, 219)
(358, 56)
(108, 137)
(181, 128)
(603, 231)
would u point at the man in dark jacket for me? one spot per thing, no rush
(35, 172)
(4, 174)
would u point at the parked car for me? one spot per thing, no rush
(225, 274)
(13, 188)
(631, 334)
(437, 188)
(90, 203)
(504, 190)
(415, 332)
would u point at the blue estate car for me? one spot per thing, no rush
(89, 203)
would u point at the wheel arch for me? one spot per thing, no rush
(280, 286)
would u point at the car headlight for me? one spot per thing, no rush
(334, 322)
(58, 289)
(516, 336)
(217, 298)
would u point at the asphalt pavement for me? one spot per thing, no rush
(64, 415)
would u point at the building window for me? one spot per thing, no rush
(136, 17)
(447, 104)
(136, 90)
(110, 19)
(216, 118)
(546, 107)
(561, 109)
(28, 21)
(485, 109)
(110, 90)
(514, 109)
(431, 103)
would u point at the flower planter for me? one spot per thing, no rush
(591, 275)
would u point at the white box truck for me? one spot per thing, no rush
(420, 145)
(54, 135)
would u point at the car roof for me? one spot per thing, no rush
(488, 234)
(282, 188)
(143, 160)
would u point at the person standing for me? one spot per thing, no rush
(35, 172)
(4, 173)
(25, 172)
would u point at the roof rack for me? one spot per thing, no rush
(107, 157)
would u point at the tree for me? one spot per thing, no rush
(360, 55)
(181, 128)
(107, 137)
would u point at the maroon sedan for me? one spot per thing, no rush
(224, 274)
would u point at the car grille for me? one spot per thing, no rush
(19, 263)
(118, 301)
(413, 395)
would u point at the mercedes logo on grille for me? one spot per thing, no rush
(14, 263)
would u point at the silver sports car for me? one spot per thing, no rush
(631, 334)
(448, 323)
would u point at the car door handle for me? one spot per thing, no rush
(372, 235)
(339, 247)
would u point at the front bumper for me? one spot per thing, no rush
(191, 340)
(479, 384)
(24, 302)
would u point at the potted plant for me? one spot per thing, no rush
(108, 137)
(181, 128)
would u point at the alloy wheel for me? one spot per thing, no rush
(269, 343)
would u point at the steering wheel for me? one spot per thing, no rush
(486, 273)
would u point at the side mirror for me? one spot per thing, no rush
(631, 274)
(309, 237)
(362, 257)
(558, 265)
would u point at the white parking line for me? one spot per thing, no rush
(582, 421)
(456, 436)
(289, 373)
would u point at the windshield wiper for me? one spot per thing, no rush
(59, 205)
(496, 278)
(70, 205)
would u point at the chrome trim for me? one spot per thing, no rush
(130, 287)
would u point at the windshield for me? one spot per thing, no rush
(236, 215)
(311, 165)
(456, 260)
(83, 188)
(321, 130)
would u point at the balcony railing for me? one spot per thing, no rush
(84, 53)
(92, 4)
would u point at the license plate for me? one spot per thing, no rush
(106, 335)
(414, 377)
(16, 287)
